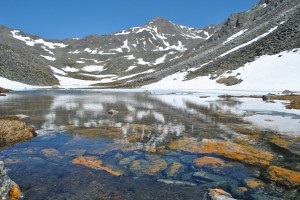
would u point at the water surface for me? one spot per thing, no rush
(83, 152)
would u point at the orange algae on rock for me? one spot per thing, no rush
(244, 153)
(51, 153)
(93, 162)
(278, 141)
(217, 194)
(15, 193)
(88, 161)
(253, 183)
(284, 176)
(174, 168)
(209, 161)
(111, 171)
(150, 167)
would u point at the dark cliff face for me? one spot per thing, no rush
(141, 55)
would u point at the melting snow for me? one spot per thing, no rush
(160, 60)
(123, 33)
(124, 46)
(49, 58)
(264, 5)
(43, 47)
(14, 85)
(142, 62)
(90, 51)
(93, 68)
(235, 36)
(130, 57)
(58, 71)
(70, 69)
(130, 68)
(76, 51)
(80, 62)
(32, 42)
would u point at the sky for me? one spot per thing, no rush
(60, 19)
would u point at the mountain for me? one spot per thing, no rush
(161, 52)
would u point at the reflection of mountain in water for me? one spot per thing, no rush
(142, 119)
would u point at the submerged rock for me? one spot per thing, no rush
(176, 182)
(175, 169)
(8, 188)
(148, 167)
(219, 194)
(253, 183)
(93, 162)
(13, 130)
(243, 153)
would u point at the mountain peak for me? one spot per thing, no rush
(160, 21)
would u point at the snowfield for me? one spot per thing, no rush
(267, 73)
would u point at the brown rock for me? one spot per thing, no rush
(13, 130)
(284, 176)
(3, 90)
(93, 162)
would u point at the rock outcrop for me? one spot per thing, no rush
(8, 188)
(13, 130)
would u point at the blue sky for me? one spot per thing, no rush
(59, 19)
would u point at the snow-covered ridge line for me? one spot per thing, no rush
(31, 42)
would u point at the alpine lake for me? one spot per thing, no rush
(98, 144)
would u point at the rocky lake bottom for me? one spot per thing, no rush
(158, 145)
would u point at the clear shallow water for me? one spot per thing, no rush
(136, 141)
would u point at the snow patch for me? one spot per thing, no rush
(14, 85)
(58, 71)
(93, 68)
(70, 69)
(130, 57)
(160, 60)
(48, 58)
(74, 52)
(80, 62)
(31, 42)
(235, 36)
(124, 32)
(142, 62)
(130, 68)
